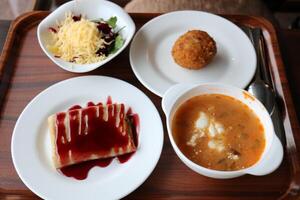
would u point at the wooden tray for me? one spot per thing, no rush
(26, 71)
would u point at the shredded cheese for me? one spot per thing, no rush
(77, 41)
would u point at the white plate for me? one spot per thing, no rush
(31, 148)
(91, 9)
(153, 64)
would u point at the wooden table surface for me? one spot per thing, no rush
(4, 25)
(154, 184)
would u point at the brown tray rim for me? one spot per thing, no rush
(269, 31)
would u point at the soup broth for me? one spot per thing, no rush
(218, 132)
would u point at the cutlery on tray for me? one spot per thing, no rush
(261, 86)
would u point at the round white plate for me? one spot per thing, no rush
(31, 148)
(153, 64)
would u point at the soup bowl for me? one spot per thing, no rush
(272, 154)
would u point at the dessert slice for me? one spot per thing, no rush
(94, 132)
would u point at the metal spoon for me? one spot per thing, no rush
(258, 88)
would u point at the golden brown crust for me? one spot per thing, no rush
(194, 49)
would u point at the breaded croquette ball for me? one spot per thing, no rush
(194, 49)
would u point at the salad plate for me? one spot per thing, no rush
(31, 144)
(152, 62)
(91, 10)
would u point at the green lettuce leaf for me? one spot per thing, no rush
(112, 22)
(119, 41)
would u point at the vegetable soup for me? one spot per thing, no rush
(218, 132)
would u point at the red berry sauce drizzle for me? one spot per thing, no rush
(80, 171)
(76, 18)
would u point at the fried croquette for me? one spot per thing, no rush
(194, 49)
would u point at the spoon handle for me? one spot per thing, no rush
(264, 67)
(254, 36)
